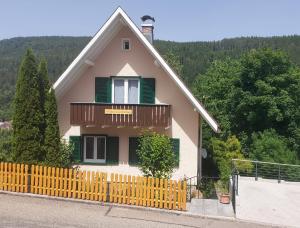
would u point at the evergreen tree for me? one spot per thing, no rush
(44, 87)
(52, 136)
(27, 116)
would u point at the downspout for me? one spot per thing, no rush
(199, 154)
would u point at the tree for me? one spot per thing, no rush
(28, 115)
(174, 61)
(52, 135)
(44, 87)
(5, 145)
(215, 89)
(223, 153)
(257, 92)
(269, 146)
(155, 155)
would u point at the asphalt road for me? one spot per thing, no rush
(24, 211)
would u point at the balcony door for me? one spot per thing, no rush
(125, 91)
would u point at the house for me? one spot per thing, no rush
(118, 86)
(6, 125)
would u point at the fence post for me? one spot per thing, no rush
(256, 174)
(279, 174)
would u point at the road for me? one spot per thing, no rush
(25, 211)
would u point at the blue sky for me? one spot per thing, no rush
(186, 20)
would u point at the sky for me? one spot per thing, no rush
(185, 20)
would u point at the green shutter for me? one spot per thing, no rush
(175, 147)
(133, 146)
(147, 91)
(76, 154)
(112, 150)
(103, 90)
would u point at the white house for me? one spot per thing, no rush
(118, 86)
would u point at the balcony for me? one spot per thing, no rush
(120, 115)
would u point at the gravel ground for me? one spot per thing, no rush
(25, 211)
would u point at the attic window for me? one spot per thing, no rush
(126, 44)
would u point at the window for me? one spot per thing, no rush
(95, 149)
(126, 44)
(125, 91)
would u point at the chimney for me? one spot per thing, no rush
(147, 28)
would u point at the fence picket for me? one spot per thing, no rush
(98, 190)
(183, 205)
(1, 175)
(124, 189)
(40, 181)
(53, 181)
(75, 180)
(128, 189)
(65, 182)
(116, 188)
(179, 195)
(148, 192)
(161, 191)
(44, 177)
(9, 176)
(22, 179)
(104, 187)
(13, 178)
(48, 188)
(133, 191)
(166, 194)
(70, 183)
(87, 185)
(32, 179)
(26, 179)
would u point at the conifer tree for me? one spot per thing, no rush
(27, 116)
(52, 136)
(44, 87)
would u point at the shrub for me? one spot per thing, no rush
(269, 146)
(223, 153)
(156, 157)
(5, 145)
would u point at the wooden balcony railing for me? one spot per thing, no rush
(120, 115)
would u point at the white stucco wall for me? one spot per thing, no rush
(113, 61)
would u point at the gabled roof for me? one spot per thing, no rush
(99, 42)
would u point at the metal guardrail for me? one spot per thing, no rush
(267, 170)
(203, 189)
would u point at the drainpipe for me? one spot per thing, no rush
(199, 154)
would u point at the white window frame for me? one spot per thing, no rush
(125, 89)
(123, 46)
(95, 149)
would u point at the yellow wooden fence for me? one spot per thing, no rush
(147, 192)
(72, 183)
(13, 177)
(69, 183)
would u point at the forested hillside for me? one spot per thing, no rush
(196, 57)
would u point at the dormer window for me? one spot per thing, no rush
(126, 45)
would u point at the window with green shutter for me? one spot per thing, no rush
(147, 91)
(76, 142)
(112, 150)
(133, 146)
(103, 89)
(176, 147)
